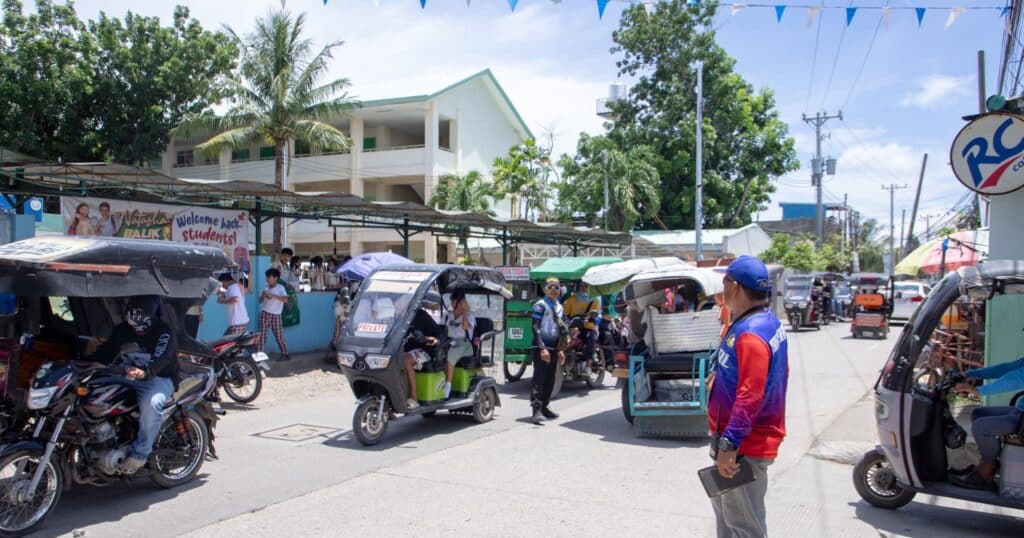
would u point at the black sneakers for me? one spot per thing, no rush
(549, 414)
(538, 417)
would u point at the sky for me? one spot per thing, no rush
(903, 99)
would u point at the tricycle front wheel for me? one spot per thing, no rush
(368, 423)
(513, 370)
(876, 483)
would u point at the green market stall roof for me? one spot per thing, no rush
(264, 201)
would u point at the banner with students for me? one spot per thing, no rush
(227, 229)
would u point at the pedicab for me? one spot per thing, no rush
(374, 336)
(872, 300)
(67, 421)
(518, 321)
(665, 394)
(569, 272)
(916, 429)
(802, 302)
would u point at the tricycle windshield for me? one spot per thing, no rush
(383, 302)
(797, 289)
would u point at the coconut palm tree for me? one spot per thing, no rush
(470, 192)
(278, 97)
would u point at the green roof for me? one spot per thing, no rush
(422, 98)
(568, 268)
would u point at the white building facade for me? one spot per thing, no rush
(400, 149)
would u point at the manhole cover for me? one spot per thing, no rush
(297, 433)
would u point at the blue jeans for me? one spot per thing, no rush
(152, 394)
(988, 424)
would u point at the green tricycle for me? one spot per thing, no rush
(526, 286)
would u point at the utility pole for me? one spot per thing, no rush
(606, 202)
(903, 229)
(819, 119)
(917, 198)
(698, 210)
(892, 188)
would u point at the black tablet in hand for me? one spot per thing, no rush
(715, 484)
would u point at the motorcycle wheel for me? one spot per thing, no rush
(365, 426)
(242, 380)
(16, 470)
(625, 402)
(513, 370)
(483, 409)
(875, 481)
(595, 375)
(177, 458)
(794, 322)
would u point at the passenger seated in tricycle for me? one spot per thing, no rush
(421, 345)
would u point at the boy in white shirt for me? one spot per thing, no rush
(272, 302)
(461, 324)
(234, 299)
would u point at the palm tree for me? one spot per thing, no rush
(278, 97)
(470, 192)
(522, 173)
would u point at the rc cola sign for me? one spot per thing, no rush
(988, 154)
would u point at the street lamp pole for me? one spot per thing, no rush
(698, 210)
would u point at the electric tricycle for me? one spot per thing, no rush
(373, 347)
(665, 393)
(916, 430)
(66, 421)
(518, 321)
(873, 301)
(802, 302)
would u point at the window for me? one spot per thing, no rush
(302, 147)
(266, 152)
(240, 154)
(155, 163)
(184, 158)
(61, 308)
(370, 143)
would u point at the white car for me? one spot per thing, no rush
(907, 297)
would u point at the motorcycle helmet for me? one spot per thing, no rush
(141, 312)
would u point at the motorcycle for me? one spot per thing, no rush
(237, 366)
(577, 366)
(81, 422)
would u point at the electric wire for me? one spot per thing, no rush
(835, 63)
(867, 55)
(814, 63)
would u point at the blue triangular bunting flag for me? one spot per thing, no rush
(512, 4)
(601, 4)
(920, 14)
(1002, 13)
(779, 10)
(423, 4)
(850, 12)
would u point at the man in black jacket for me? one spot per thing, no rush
(152, 371)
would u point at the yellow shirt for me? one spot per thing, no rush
(574, 307)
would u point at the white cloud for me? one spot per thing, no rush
(938, 90)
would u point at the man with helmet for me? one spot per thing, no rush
(152, 371)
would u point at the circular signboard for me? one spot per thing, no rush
(987, 155)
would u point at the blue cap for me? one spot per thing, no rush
(751, 273)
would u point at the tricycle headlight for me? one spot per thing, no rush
(377, 361)
(802, 305)
(789, 305)
(346, 359)
(40, 398)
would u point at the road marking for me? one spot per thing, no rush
(298, 433)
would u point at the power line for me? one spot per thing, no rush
(835, 62)
(860, 70)
(814, 63)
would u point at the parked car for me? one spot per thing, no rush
(909, 295)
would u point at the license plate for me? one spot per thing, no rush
(262, 360)
(515, 333)
(620, 372)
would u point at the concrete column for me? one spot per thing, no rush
(456, 140)
(430, 149)
(224, 164)
(168, 158)
(1005, 221)
(356, 187)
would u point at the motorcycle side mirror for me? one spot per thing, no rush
(130, 347)
(899, 294)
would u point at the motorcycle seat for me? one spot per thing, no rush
(188, 386)
(224, 339)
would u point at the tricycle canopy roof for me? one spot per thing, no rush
(651, 282)
(107, 267)
(869, 278)
(449, 278)
(571, 269)
(611, 278)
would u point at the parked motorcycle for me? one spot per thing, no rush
(81, 422)
(238, 366)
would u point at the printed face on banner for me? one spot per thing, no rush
(97, 217)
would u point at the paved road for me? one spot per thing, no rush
(294, 468)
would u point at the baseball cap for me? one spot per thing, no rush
(750, 272)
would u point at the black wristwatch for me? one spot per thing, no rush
(725, 445)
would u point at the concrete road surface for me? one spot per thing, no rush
(291, 467)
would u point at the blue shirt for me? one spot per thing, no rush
(1009, 377)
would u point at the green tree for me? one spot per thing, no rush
(801, 254)
(470, 192)
(632, 182)
(746, 145)
(871, 246)
(106, 89)
(277, 97)
(522, 176)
